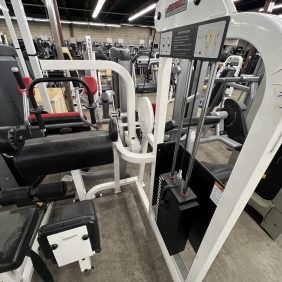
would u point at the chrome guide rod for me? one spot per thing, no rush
(183, 107)
(200, 128)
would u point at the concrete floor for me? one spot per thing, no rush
(130, 251)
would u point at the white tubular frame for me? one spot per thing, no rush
(267, 128)
(265, 136)
(28, 41)
(12, 32)
(100, 65)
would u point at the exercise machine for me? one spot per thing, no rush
(215, 205)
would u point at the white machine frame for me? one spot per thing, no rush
(267, 126)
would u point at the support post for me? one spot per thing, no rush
(13, 35)
(28, 41)
(79, 184)
(160, 117)
(56, 29)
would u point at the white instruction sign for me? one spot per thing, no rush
(209, 40)
(216, 193)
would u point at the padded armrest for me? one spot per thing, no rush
(17, 229)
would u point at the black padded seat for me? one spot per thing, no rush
(69, 217)
(17, 229)
(222, 172)
(61, 153)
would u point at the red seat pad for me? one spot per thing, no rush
(92, 83)
(59, 117)
(26, 81)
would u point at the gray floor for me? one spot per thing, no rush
(131, 253)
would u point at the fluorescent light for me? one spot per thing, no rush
(277, 7)
(68, 22)
(272, 8)
(98, 8)
(280, 16)
(141, 13)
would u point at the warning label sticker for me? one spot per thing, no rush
(216, 193)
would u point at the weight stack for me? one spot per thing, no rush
(174, 213)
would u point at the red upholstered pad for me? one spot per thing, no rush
(27, 81)
(58, 118)
(92, 83)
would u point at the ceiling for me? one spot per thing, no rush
(114, 11)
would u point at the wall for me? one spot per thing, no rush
(131, 35)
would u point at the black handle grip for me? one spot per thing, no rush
(67, 79)
(18, 77)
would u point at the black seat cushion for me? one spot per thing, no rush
(69, 217)
(60, 153)
(17, 229)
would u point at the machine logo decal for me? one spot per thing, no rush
(176, 7)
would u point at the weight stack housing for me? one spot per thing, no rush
(174, 213)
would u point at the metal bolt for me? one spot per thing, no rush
(54, 247)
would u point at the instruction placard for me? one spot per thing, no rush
(216, 193)
(209, 40)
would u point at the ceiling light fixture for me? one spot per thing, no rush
(142, 12)
(98, 8)
(279, 6)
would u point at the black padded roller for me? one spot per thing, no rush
(54, 154)
(15, 196)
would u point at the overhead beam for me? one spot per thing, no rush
(81, 10)
(65, 6)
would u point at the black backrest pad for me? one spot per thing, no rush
(10, 100)
(11, 105)
(54, 154)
